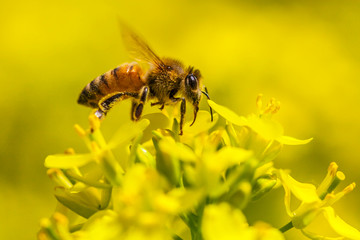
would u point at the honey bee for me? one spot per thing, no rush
(166, 81)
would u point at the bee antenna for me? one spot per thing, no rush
(191, 69)
(208, 97)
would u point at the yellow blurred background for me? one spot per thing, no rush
(304, 53)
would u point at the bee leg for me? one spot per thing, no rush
(107, 102)
(196, 109)
(100, 114)
(138, 108)
(158, 103)
(208, 97)
(182, 111)
(133, 107)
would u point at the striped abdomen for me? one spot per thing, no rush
(128, 77)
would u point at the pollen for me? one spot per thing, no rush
(330, 196)
(45, 222)
(60, 218)
(349, 188)
(69, 151)
(272, 107)
(333, 167)
(94, 122)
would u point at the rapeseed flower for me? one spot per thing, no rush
(258, 132)
(148, 182)
(316, 203)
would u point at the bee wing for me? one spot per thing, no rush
(138, 48)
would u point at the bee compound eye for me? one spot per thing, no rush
(192, 81)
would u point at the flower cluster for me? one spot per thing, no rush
(148, 182)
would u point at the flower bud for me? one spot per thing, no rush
(241, 196)
(262, 186)
(166, 163)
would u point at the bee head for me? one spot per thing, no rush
(193, 89)
(192, 86)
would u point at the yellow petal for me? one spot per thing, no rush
(319, 237)
(303, 191)
(266, 232)
(66, 161)
(228, 156)
(127, 132)
(224, 222)
(203, 123)
(228, 114)
(266, 127)
(339, 225)
(187, 199)
(178, 150)
(292, 141)
(157, 121)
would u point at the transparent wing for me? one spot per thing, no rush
(138, 48)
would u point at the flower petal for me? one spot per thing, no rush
(66, 161)
(177, 150)
(157, 120)
(203, 123)
(266, 232)
(292, 141)
(227, 157)
(319, 237)
(224, 222)
(339, 225)
(228, 114)
(266, 127)
(303, 191)
(127, 132)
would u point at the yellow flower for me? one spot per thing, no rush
(100, 151)
(257, 132)
(194, 186)
(224, 222)
(261, 123)
(316, 202)
(146, 202)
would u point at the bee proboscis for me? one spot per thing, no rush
(167, 81)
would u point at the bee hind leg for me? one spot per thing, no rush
(137, 108)
(107, 102)
(100, 114)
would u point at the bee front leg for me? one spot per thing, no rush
(107, 102)
(136, 109)
(182, 114)
(182, 111)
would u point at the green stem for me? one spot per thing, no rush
(76, 227)
(286, 227)
(193, 221)
(176, 237)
